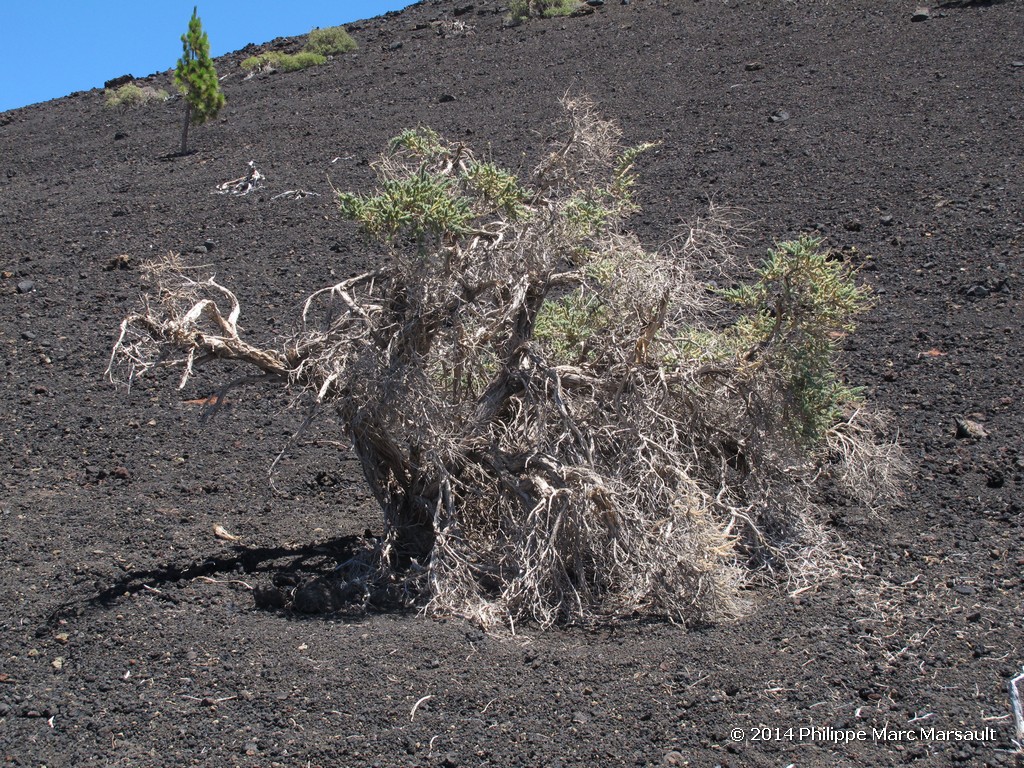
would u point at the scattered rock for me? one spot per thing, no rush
(120, 136)
(28, 336)
(921, 14)
(323, 596)
(966, 428)
(780, 116)
(26, 286)
(117, 82)
(886, 219)
(446, 98)
(251, 748)
(395, 45)
(674, 758)
(269, 598)
(122, 261)
(977, 291)
(1017, 63)
(199, 249)
(753, 66)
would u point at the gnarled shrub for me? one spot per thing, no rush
(557, 423)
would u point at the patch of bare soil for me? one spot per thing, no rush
(129, 622)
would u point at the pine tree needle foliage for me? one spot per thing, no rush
(196, 78)
(559, 424)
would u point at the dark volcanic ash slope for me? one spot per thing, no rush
(128, 634)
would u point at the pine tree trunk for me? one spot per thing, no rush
(184, 130)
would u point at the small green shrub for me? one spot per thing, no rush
(330, 41)
(802, 303)
(131, 95)
(320, 44)
(520, 10)
(283, 62)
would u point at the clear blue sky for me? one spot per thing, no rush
(56, 47)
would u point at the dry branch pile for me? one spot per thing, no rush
(558, 424)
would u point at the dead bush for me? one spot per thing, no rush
(557, 423)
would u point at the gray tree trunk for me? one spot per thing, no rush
(184, 130)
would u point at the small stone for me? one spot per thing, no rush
(58, 663)
(580, 717)
(395, 45)
(120, 135)
(977, 291)
(1017, 63)
(251, 748)
(26, 286)
(595, 3)
(446, 98)
(753, 66)
(209, 244)
(966, 428)
(780, 116)
(28, 336)
(885, 218)
(674, 758)
(199, 249)
(921, 14)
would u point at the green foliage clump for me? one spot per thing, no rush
(802, 303)
(320, 44)
(429, 191)
(330, 41)
(520, 10)
(566, 327)
(422, 142)
(423, 205)
(283, 62)
(131, 95)
(196, 78)
(499, 188)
